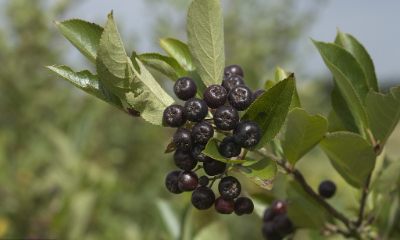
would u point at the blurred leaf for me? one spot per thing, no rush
(263, 173)
(170, 218)
(351, 155)
(351, 44)
(387, 178)
(165, 65)
(270, 109)
(281, 74)
(334, 123)
(82, 205)
(187, 223)
(211, 150)
(383, 113)
(85, 36)
(300, 133)
(214, 230)
(152, 100)
(268, 84)
(89, 83)
(205, 36)
(304, 211)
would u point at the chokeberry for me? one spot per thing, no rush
(278, 206)
(226, 117)
(268, 214)
(229, 187)
(240, 97)
(224, 205)
(183, 139)
(258, 93)
(243, 205)
(231, 81)
(203, 181)
(269, 232)
(214, 167)
(229, 148)
(187, 181)
(233, 70)
(173, 116)
(202, 132)
(198, 155)
(327, 189)
(247, 134)
(185, 88)
(282, 225)
(215, 96)
(184, 160)
(195, 110)
(203, 198)
(171, 182)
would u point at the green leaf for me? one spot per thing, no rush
(170, 218)
(334, 123)
(351, 155)
(268, 84)
(263, 172)
(85, 36)
(205, 35)
(383, 113)
(281, 74)
(349, 76)
(211, 150)
(214, 230)
(148, 98)
(351, 44)
(388, 178)
(89, 83)
(301, 133)
(270, 109)
(165, 65)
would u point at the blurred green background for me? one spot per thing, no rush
(73, 167)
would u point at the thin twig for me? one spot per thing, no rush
(363, 200)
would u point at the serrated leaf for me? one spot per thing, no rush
(214, 230)
(281, 74)
(88, 82)
(151, 100)
(211, 150)
(263, 172)
(85, 36)
(383, 113)
(351, 155)
(270, 109)
(165, 65)
(205, 35)
(351, 44)
(301, 133)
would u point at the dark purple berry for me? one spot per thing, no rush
(268, 214)
(232, 81)
(202, 132)
(173, 116)
(327, 189)
(203, 181)
(278, 207)
(214, 167)
(224, 206)
(269, 232)
(229, 148)
(197, 153)
(171, 182)
(215, 96)
(243, 205)
(258, 93)
(226, 117)
(241, 97)
(183, 139)
(185, 88)
(195, 110)
(233, 70)
(187, 181)
(184, 160)
(247, 134)
(203, 198)
(229, 187)
(282, 225)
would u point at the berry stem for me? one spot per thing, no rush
(363, 200)
(198, 168)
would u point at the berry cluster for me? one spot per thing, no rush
(276, 222)
(191, 140)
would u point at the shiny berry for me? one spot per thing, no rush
(195, 110)
(183, 139)
(202, 132)
(327, 189)
(187, 181)
(269, 232)
(203, 181)
(282, 225)
(214, 167)
(215, 96)
(229, 187)
(243, 205)
(229, 148)
(203, 198)
(278, 206)
(247, 134)
(171, 182)
(184, 160)
(185, 88)
(258, 93)
(173, 116)
(233, 70)
(197, 153)
(240, 97)
(224, 206)
(231, 81)
(226, 118)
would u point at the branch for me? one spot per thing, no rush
(363, 200)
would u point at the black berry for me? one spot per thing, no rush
(243, 205)
(247, 133)
(187, 181)
(226, 117)
(215, 96)
(278, 206)
(229, 148)
(185, 88)
(171, 181)
(203, 181)
(231, 81)
(269, 232)
(241, 97)
(229, 187)
(202, 132)
(258, 93)
(173, 116)
(195, 110)
(268, 214)
(214, 167)
(183, 139)
(184, 160)
(327, 189)
(233, 70)
(224, 206)
(282, 225)
(198, 155)
(203, 198)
